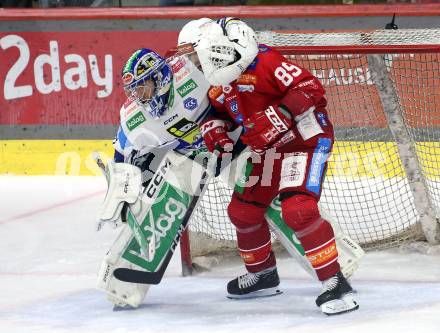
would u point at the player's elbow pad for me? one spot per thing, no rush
(297, 102)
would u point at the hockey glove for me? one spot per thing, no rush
(215, 135)
(264, 128)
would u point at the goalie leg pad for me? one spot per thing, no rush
(120, 293)
(161, 216)
(350, 253)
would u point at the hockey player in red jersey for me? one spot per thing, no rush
(282, 110)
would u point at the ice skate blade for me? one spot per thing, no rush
(340, 306)
(269, 292)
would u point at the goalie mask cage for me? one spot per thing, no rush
(383, 182)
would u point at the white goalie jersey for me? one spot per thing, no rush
(177, 129)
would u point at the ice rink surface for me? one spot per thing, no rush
(50, 255)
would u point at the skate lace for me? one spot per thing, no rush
(330, 283)
(247, 280)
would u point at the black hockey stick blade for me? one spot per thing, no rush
(143, 277)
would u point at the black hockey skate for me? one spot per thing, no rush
(336, 296)
(253, 285)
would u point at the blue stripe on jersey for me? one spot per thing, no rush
(320, 156)
(122, 138)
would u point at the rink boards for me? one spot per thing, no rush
(74, 157)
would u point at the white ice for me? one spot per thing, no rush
(50, 255)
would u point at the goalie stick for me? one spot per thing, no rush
(101, 165)
(145, 277)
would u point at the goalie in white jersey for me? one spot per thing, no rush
(166, 101)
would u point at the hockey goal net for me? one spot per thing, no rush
(383, 182)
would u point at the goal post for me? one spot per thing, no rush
(383, 90)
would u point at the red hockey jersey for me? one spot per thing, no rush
(270, 80)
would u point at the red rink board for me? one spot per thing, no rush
(31, 61)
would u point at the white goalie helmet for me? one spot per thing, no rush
(215, 52)
(225, 50)
(190, 33)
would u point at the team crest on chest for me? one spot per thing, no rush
(190, 103)
(233, 106)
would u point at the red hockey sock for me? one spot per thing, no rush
(316, 234)
(321, 250)
(253, 235)
(255, 247)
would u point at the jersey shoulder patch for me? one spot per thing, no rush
(177, 64)
(215, 92)
(181, 68)
(247, 78)
(129, 107)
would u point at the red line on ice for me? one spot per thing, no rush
(45, 274)
(43, 209)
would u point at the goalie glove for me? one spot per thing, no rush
(264, 128)
(215, 135)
